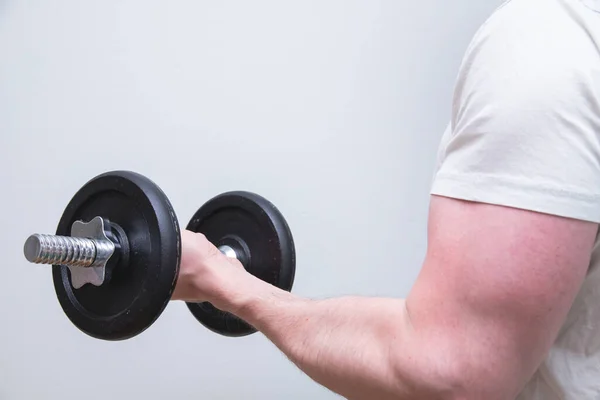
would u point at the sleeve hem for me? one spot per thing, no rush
(507, 192)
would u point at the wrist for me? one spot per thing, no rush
(233, 288)
(250, 298)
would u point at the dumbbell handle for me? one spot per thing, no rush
(67, 250)
(76, 251)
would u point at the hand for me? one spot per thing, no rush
(206, 274)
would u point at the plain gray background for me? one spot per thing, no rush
(331, 109)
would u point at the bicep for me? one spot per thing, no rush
(495, 288)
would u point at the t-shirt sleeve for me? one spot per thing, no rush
(525, 129)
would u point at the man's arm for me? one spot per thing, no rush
(495, 287)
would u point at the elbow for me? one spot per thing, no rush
(468, 381)
(458, 383)
(484, 380)
(430, 361)
(477, 382)
(431, 373)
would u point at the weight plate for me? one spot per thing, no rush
(259, 234)
(140, 289)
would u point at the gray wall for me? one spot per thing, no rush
(331, 109)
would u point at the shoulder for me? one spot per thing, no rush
(525, 129)
(553, 26)
(533, 54)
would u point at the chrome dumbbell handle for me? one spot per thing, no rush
(67, 250)
(86, 252)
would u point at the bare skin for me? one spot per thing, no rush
(493, 291)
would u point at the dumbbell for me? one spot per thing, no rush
(117, 249)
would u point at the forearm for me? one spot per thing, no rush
(357, 347)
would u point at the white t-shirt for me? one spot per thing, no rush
(525, 133)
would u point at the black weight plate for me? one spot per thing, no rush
(246, 218)
(138, 291)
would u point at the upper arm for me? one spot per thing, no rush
(494, 290)
(516, 201)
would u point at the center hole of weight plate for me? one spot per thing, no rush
(228, 251)
(234, 247)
